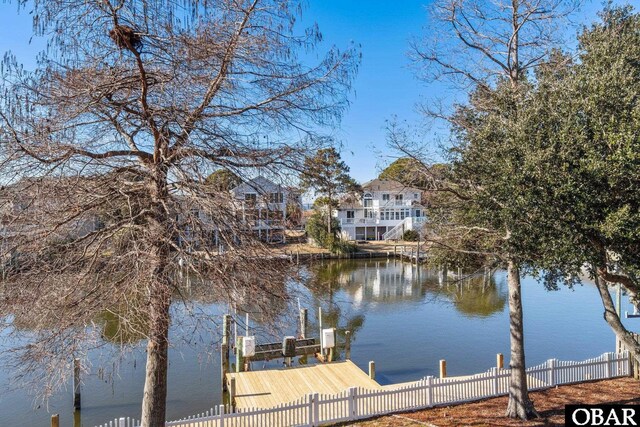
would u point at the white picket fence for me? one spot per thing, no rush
(357, 403)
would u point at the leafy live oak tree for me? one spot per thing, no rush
(407, 171)
(487, 49)
(224, 180)
(580, 147)
(130, 108)
(327, 175)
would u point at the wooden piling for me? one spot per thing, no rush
(332, 350)
(239, 358)
(320, 330)
(55, 420)
(224, 350)
(76, 384)
(347, 345)
(499, 361)
(304, 321)
(372, 370)
(443, 368)
(232, 392)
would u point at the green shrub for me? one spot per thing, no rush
(317, 229)
(410, 236)
(343, 247)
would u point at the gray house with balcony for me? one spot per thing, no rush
(383, 211)
(262, 205)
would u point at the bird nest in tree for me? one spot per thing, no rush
(125, 37)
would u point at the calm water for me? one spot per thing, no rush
(402, 317)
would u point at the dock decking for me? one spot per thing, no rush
(269, 388)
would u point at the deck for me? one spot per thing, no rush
(273, 387)
(269, 388)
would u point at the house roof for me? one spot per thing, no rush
(387, 185)
(259, 184)
(349, 201)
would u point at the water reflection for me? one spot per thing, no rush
(394, 282)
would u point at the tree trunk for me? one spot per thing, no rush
(519, 404)
(155, 385)
(612, 318)
(154, 400)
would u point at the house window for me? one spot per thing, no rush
(398, 197)
(385, 197)
(415, 196)
(397, 215)
(250, 197)
(276, 197)
(417, 213)
(351, 214)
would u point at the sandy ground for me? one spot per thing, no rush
(372, 246)
(549, 403)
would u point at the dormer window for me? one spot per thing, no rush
(250, 197)
(385, 197)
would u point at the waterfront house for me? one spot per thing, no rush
(267, 207)
(383, 211)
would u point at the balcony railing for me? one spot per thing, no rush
(359, 221)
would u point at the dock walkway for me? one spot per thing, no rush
(269, 388)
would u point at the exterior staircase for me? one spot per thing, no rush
(409, 223)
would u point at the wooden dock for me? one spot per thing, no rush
(269, 388)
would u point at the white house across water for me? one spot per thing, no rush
(383, 211)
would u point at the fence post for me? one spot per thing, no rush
(372, 370)
(310, 409)
(607, 366)
(495, 381)
(552, 372)
(352, 403)
(221, 412)
(429, 391)
(122, 422)
(55, 420)
(316, 410)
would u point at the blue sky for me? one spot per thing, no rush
(385, 85)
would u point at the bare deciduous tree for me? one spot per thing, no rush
(106, 146)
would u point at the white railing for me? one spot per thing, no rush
(409, 223)
(121, 422)
(397, 231)
(357, 403)
(349, 221)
